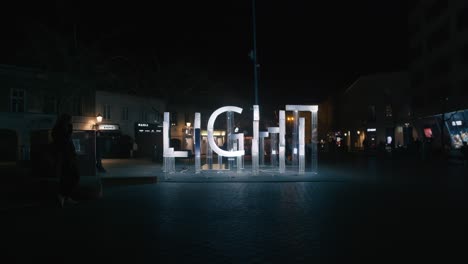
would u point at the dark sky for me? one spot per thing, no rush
(320, 46)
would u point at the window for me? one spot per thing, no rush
(143, 116)
(157, 117)
(371, 114)
(388, 110)
(50, 104)
(173, 118)
(77, 107)
(124, 115)
(17, 100)
(106, 111)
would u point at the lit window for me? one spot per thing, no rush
(371, 116)
(124, 113)
(388, 111)
(173, 119)
(143, 116)
(106, 111)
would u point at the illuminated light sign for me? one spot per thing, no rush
(457, 123)
(108, 127)
(371, 129)
(278, 140)
(143, 125)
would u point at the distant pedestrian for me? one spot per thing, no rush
(135, 149)
(66, 164)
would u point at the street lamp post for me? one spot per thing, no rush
(99, 166)
(254, 52)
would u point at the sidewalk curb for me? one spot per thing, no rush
(128, 180)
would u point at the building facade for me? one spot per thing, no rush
(31, 100)
(438, 33)
(376, 109)
(127, 119)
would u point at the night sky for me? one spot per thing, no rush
(318, 46)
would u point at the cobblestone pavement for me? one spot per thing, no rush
(249, 222)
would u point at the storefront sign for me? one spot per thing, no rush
(147, 128)
(371, 129)
(108, 127)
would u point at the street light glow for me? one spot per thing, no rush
(99, 118)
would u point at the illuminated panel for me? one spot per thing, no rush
(210, 129)
(301, 145)
(256, 119)
(273, 131)
(313, 109)
(261, 141)
(197, 141)
(302, 108)
(282, 141)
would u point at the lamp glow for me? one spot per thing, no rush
(99, 118)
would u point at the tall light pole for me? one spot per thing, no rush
(254, 53)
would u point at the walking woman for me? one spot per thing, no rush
(66, 165)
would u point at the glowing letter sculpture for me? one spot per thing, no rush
(209, 156)
(274, 131)
(169, 153)
(295, 138)
(197, 141)
(313, 109)
(262, 135)
(239, 145)
(301, 145)
(256, 119)
(282, 141)
(230, 137)
(210, 128)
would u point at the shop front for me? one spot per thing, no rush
(456, 124)
(370, 142)
(219, 138)
(108, 141)
(453, 128)
(149, 139)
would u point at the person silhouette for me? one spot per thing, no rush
(66, 164)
